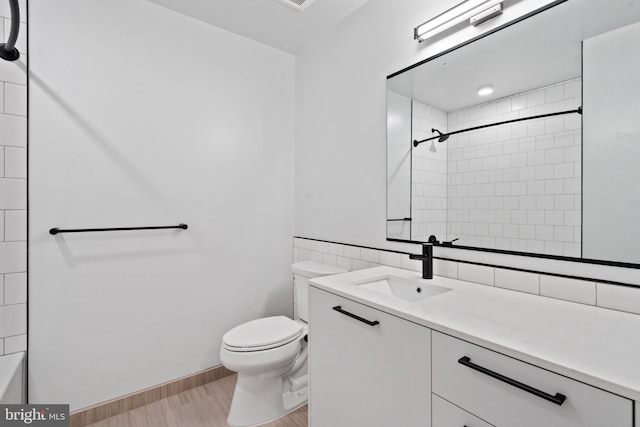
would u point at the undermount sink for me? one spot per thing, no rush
(406, 289)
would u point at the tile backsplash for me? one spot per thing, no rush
(353, 257)
(13, 197)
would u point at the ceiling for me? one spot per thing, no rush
(268, 21)
(536, 52)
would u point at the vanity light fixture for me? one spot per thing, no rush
(477, 11)
(485, 90)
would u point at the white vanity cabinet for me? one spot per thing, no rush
(366, 368)
(457, 359)
(507, 392)
(446, 414)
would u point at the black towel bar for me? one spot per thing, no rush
(57, 230)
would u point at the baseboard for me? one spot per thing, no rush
(135, 400)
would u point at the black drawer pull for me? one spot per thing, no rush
(558, 399)
(363, 320)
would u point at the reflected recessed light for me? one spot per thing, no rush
(485, 90)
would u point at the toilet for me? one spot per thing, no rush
(270, 357)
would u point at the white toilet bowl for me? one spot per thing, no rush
(268, 354)
(270, 357)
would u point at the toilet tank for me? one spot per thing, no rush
(302, 272)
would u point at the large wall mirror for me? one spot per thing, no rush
(562, 176)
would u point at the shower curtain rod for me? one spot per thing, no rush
(56, 230)
(8, 50)
(446, 135)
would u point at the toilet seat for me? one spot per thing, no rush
(262, 334)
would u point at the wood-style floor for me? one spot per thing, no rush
(204, 406)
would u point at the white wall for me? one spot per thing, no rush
(13, 190)
(612, 145)
(141, 116)
(340, 127)
(398, 165)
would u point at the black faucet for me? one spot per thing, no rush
(427, 260)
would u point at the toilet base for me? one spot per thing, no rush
(294, 399)
(258, 400)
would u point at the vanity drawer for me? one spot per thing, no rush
(447, 415)
(465, 374)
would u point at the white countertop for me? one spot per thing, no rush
(597, 346)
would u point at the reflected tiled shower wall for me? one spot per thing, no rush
(518, 186)
(13, 191)
(513, 187)
(428, 173)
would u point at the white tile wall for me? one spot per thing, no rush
(11, 72)
(329, 259)
(13, 192)
(15, 288)
(15, 162)
(15, 344)
(352, 252)
(515, 186)
(609, 296)
(476, 273)
(13, 257)
(15, 99)
(428, 173)
(517, 281)
(370, 255)
(357, 264)
(16, 225)
(568, 289)
(445, 268)
(322, 247)
(345, 263)
(336, 249)
(618, 297)
(391, 259)
(13, 130)
(13, 320)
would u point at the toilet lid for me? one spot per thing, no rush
(262, 334)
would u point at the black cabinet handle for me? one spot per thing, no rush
(558, 399)
(362, 319)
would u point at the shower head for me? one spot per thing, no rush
(443, 136)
